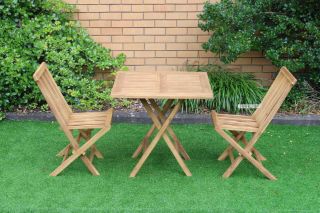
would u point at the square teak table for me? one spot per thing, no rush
(167, 85)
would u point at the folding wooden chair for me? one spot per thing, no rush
(239, 125)
(83, 122)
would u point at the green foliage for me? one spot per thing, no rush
(230, 90)
(36, 31)
(288, 32)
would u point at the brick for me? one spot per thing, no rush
(94, 31)
(88, 16)
(120, 8)
(252, 68)
(144, 54)
(262, 61)
(155, 61)
(110, 1)
(166, 23)
(197, 1)
(165, 39)
(82, 8)
(164, 8)
(110, 16)
(132, 16)
(198, 61)
(167, 68)
(155, 46)
(142, 8)
(155, 31)
(195, 46)
(189, 7)
(100, 23)
(154, 1)
(101, 39)
(84, 23)
(193, 15)
(204, 54)
(187, 38)
(98, 8)
(143, 39)
(204, 38)
(166, 54)
(234, 68)
(176, 61)
(176, 31)
(129, 54)
(134, 61)
(121, 39)
(187, 23)
(132, 1)
(270, 68)
(132, 31)
(242, 61)
(111, 31)
(145, 68)
(175, 15)
(176, 46)
(121, 23)
(176, 1)
(133, 46)
(143, 23)
(196, 31)
(154, 15)
(188, 54)
(88, 2)
(113, 46)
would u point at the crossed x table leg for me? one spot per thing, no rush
(161, 115)
(163, 126)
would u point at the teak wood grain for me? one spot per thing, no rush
(162, 85)
(69, 121)
(256, 123)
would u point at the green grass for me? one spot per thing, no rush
(28, 152)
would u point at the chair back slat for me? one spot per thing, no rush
(52, 94)
(274, 98)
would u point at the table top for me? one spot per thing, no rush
(162, 85)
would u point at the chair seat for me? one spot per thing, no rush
(90, 120)
(237, 122)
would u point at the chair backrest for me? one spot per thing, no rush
(274, 98)
(52, 94)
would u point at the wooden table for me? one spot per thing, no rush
(171, 86)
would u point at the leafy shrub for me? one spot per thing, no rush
(35, 31)
(229, 90)
(288, 32)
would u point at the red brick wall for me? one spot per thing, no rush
(158, 34)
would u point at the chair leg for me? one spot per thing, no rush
(245, 153)
(226, 152)
(78, 152)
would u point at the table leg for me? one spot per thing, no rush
(162, 117)
(145, 141)
(161, 133)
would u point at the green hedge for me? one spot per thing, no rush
(288, 32)
(36, 31)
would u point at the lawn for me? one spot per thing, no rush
(28, 152)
